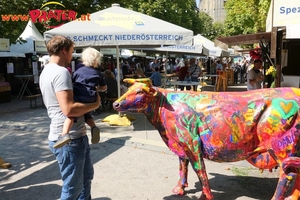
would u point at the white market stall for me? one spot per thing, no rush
(34, 41)
(283, 16)
(122, 28)
(209, 48)
(284, 13)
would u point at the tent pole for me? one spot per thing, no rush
(165, 68)
(118, 71)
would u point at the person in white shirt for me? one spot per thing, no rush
(255, 76)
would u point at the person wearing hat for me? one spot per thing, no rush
(255, 76)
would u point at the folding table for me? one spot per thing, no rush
(24, 80)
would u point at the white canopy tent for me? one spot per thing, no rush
(117, 26)
(209, 47)
(34, 41)
(122, 28)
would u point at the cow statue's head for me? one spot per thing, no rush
(138, 97)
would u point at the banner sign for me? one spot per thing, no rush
(108, 51)
(4, 44)
(40, 46)
(286, 12)
(125, 37)
(180, 47)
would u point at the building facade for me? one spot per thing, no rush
(214, 8)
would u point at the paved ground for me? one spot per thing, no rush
(131, 163)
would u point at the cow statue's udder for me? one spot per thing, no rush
(261, 126)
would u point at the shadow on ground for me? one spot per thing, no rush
(34, 172)
(234, 187)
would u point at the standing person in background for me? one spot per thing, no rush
(194, 71)
(183, 71)
(116, 72)
(236, 72)
(156, 77)
(56, 86)
(208, 65)
(255, 76)
(219, 66)
(244, 68)
(112, 84)
(110, 65)
(125, 69)
(155, 64)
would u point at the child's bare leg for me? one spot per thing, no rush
(67, 126)
(95, 131)
(65, 138)
(90, 122)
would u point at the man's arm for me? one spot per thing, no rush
(74, 109)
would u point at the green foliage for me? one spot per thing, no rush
(180, 12)
(246, 16)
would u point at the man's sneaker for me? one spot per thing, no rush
(95, 132)
(62, 140)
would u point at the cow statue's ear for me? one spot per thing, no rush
(153, 91)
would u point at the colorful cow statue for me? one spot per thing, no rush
(261, 126)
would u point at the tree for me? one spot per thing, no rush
(206, 21)
(181, 12)
(245, 16)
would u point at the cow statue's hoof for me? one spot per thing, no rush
(179, 189)
(203, 197)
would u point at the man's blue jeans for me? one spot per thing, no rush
(76, 169)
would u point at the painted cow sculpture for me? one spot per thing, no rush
(261, 126)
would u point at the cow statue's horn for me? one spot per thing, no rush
(150, 90)
(147, 81)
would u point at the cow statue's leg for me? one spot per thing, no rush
(289, 176)
(183, 173)
(199, 167)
